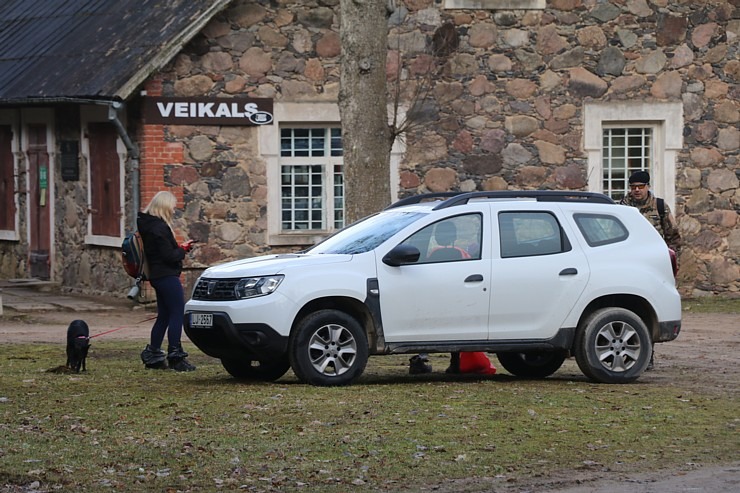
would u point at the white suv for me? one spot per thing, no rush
(532, 276)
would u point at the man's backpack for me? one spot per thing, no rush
(134, 259)
(661, 209)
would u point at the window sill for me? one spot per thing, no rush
(495, 4)
(297, 239)
(108, 241)
(8, 235)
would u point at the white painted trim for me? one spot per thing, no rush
(95, 114)
(666, 118)
(495, 4)
(10, 117)
(108, 241)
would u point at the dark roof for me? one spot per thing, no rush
(98, 49)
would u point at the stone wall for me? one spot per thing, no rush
(505, 112)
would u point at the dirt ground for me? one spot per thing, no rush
(706, 354)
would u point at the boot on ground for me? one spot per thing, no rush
(153, 358)
(176, 357)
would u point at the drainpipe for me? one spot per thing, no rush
(133, 152)
(114, 108)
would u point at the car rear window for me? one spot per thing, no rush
(601, 229)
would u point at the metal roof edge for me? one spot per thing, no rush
(59, 99)
(170, 50)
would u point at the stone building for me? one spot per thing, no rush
(556, 94)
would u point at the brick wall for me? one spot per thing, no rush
(156, 154)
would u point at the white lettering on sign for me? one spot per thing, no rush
(213, 109)
(205, 110)
(181, 110)
(165, 109)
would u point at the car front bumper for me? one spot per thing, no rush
(227, 340)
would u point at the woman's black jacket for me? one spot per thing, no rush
(163, 254)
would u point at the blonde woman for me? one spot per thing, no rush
(164, 257)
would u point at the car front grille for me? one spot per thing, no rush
(215, 290)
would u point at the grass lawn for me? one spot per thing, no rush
(119, 427)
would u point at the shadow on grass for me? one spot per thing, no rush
(381, 370)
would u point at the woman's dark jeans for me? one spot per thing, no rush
(170, 310)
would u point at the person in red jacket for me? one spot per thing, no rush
(164, 257)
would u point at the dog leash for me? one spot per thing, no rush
(123, 327)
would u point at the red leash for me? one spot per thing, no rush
(123, 327)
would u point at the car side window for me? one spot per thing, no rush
(451, 239)
(529, 233)
(601, 229)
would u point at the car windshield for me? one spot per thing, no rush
(366, 234)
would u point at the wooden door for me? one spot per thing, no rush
(39, 187)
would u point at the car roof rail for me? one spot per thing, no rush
(424, 197)
(539, 195)
(451, 199)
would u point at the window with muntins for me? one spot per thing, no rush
(655, 128)
(311, 178)
(625, 150)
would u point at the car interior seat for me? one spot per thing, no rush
(445, 234)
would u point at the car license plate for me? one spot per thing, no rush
(201, 320)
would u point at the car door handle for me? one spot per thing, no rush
(570, 271)
(474, 278)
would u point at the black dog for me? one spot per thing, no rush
(78, 342)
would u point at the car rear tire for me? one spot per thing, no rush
(613, 345)
(328, 348)
(533, 364)
(249, 369)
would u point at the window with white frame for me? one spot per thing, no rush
(280, 149)
(625, 150)
(104, 153)
(311, 179)
(623, 136)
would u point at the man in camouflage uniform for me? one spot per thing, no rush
(641, 197)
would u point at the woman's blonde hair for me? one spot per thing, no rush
(163, 206)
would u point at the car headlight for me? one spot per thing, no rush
(250, 287)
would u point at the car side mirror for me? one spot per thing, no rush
(402, 254)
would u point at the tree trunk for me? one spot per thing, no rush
(366, 136)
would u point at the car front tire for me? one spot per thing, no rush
(613, 345)
(328, 348)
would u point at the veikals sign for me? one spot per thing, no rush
(208, 111)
